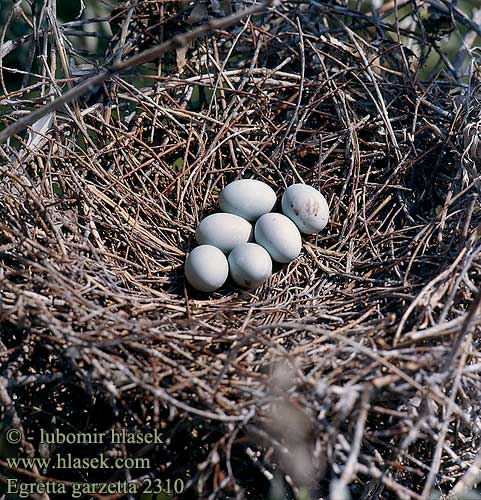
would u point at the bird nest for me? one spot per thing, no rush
(355, 369)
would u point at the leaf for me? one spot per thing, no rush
(180, 55)
(198, 13)
(38, 131)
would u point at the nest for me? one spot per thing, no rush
(354, 370)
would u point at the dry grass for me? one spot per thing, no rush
(356, 368)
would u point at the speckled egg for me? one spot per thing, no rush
(279, 236)
(224, 231)
(307, 207)
(250, 265)
(206, 268)
(247, 198)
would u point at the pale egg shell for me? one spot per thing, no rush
(224, 231)
(279, 236)
(250, 265)
(247, 198)
(206, 268)
(307, 207)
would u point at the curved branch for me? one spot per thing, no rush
(142, 58)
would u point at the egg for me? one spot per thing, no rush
(279, 236)
(206, 268)
(247, 198)
(224, 231)
(307, 207)
(250, 265)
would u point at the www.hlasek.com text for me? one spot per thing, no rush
(68, 461)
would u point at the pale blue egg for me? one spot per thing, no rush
(250, 265)
(307, 207)
(206, 268)
(224, 231)
(247, 198)
(279, 236)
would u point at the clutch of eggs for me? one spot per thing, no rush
(246, 202)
